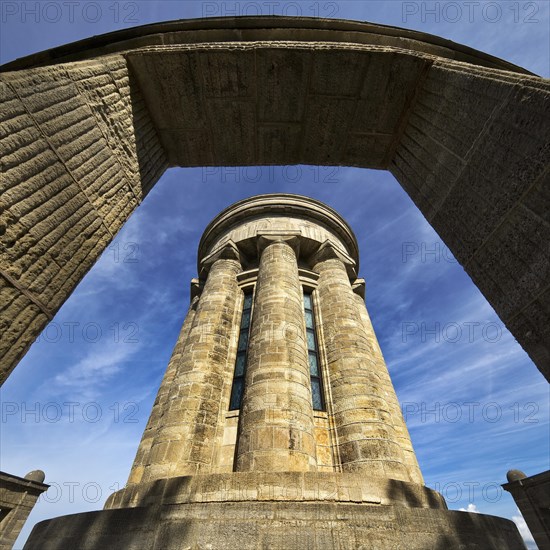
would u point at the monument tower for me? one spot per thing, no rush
(276, 424)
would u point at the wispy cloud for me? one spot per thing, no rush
(86, 379)
(524, 531)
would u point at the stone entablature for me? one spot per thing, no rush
(310, 221)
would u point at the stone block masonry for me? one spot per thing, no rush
(79, 153)
(88, 128)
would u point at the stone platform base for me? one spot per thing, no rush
(275, 526)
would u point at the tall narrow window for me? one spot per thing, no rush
(242, 350)
(313, 355)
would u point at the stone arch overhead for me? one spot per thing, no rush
(88, 128)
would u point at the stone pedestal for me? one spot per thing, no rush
(18, 496)
(532, 496)
(278, 512)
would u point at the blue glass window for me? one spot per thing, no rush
(313, 355)
(240, 365)
(236, 393)
(313, 366)
(311, 345)
(237, 389)
(316, 393)
(243, 340)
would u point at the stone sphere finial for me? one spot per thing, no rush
(36, 475)
(515, 475)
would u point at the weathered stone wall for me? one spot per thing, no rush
(278, 526)
(278, 486)
(465, 134)
(79, 153)
(475, 158)
(276, 423)
(366, 437)
(532, 497)
(17, 499)
(324, 445)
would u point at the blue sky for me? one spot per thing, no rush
(475, 404)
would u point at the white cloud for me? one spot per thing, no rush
(524, 530)
(472, 508)
(90, 373)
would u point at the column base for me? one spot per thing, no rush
(282, 511)
(277, 486)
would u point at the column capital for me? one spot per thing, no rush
(358, 286)
(265, 238)
(329, 250)
(196, 288)
(228, 251)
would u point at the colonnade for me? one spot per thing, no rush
(276, 428)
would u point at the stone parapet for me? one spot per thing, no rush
(18, 496)
(532, 496)
(276, 525)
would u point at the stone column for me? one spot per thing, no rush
(366, 438)
(184, 443)
(276, 420)
(144, 450)
(402, 433)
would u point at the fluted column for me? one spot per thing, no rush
(402, 433)
(276, 420)
(144, 449)
(366, 438)
(184, 443)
